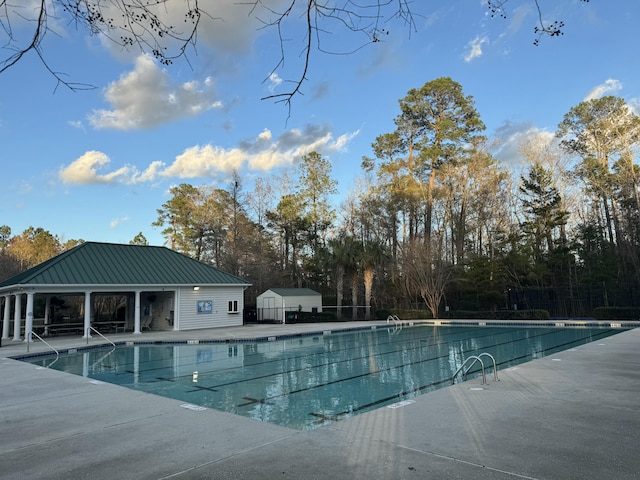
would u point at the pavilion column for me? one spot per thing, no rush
(176, 310)
(87, 315)
(47, 319)
(17, 318)
(5, 318)
(28, 324)
(136, 326)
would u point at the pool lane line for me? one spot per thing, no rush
(397, 396)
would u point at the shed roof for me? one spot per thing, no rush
(94, 263)
(294, 292)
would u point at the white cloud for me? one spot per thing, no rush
(150, 174)
(84, 170)
(292, 145)
(147, 97)
(205, 162)
(634, 104)
(518, 17)
(274, 81)
(230, 26)
(609, 86)
(225, 26)
(386, 55)
(320, 90)
(511, 136)
(260, 153)
(117, 221)
(475, 48)
(26, 187)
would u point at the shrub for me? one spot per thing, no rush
(499, 314)
(310, 317)
(410, 314)
(617, 313)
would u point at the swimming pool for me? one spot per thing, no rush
(304, 382)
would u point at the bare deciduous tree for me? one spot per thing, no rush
(128, 23)
(542, 29)
(168, 28)
(426, 275)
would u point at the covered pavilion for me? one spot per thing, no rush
(164, 290)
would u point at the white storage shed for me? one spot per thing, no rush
(281, 304)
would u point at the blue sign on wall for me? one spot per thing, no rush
(205, 306)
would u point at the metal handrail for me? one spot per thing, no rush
(29, 340)
(464, 373)
(495, 368)
(394, 319)
(397, 324)
(89, 331)
(477, 358)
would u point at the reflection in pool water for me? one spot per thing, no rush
(308, 381)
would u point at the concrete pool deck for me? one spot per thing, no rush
(572, 415)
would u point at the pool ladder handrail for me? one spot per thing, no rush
(394, 319)
(89, 332)
(29, 340)
(476, 358)
(397, 324)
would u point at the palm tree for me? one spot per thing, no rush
(345, 253)
(339, 257)
(373, 253)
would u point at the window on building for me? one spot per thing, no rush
(233, 306)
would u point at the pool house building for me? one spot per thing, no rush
(147, 287)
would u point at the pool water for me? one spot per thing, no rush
(305, 382)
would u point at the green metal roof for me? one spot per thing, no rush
(294, 292)
(93, 263)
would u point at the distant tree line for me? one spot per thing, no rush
(435, 222)
(28, 249)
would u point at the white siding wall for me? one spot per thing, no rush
(268, 299)
(187, 307)
(307, 302)
(270, 305)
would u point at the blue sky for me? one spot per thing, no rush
(97, 164)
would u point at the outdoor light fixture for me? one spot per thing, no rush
(196, 288)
